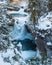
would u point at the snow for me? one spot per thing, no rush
(3, 2)
(28, 54)
(5, 63)
(49, 43)
(21, 16)
(44, 22)
(2, 62)
(20, 45)
(9, 52)
(21, 11)
(16, 63)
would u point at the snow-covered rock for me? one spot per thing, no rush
(49, 43)
(45, 21)
(3, 2)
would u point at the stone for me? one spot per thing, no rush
(11, 23)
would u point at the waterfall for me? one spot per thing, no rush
(20, 32)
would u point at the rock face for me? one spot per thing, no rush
(18, 2)
(15, 1)
(45, 32)
(11, 23)
(41, 44)
(50, 5)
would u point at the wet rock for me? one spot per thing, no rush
(48, 25)
(48, 38)
(49, 49)
(3, 30)
(26, 10)
(41, 44)
(50, 5)
(8, 16)
(13, 8)
(22, 7)
(28, 28)
(11, 23)
(14, 2)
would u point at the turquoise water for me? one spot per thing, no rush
(18, 15)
